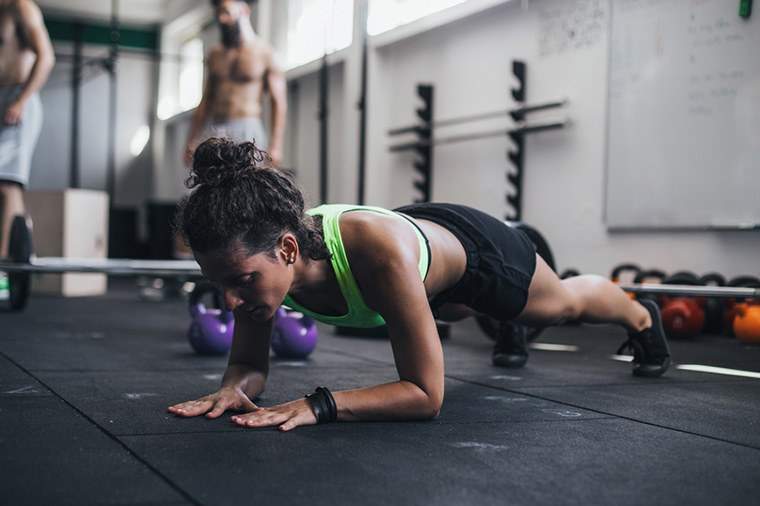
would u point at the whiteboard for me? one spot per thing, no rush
(683, 145)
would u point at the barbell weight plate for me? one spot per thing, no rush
(538, 240)
(20, 251)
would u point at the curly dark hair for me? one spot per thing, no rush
(238, 196)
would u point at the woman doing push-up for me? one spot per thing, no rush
(365, 266)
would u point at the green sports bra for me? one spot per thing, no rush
(358, 315)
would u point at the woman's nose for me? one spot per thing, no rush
(232, 299)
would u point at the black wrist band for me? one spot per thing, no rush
(316, 407)
(323, 405)
(332, 408)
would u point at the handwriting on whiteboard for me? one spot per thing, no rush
(571, 25)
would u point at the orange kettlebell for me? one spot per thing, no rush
(747, 323)
(682, 316)
(731, 304)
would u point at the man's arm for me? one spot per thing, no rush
(278, 91)
(33, 26)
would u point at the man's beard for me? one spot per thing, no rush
(230, 34)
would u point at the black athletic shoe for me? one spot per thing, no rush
(511, 348)
(651, 353)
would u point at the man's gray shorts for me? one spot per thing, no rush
(239, 130)
(17, 141)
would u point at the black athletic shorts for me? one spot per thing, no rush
(501, 260)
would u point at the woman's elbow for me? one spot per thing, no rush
(424, 400)
(432, 406)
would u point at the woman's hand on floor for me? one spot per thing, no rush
(215, 404)
(286, 416)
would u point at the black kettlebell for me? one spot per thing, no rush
(569, 273)
(714, 307)
(622, 268)
(650, 276)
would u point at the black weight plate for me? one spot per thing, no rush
(20, 251)
(538, 240)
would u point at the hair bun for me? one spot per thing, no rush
(219, 161)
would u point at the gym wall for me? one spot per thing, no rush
(136, 77)
(302, 153)
(468, 61)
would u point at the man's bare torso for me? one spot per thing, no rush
(237, 77)
(16, 57)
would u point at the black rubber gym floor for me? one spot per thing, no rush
(84, 385)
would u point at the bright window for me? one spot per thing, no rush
(182, 79)
(316, 27)
(139, 140)
(385, 15)
(191, 74)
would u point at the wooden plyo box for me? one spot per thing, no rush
(69, 223)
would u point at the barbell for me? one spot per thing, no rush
(728, 292)
(20, 265)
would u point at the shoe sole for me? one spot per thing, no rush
(651, 371)
(510, 361)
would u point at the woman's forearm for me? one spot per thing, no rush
(400, 400)
(251, 381)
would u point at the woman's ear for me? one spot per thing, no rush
(289, 248)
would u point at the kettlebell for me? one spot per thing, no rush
(211, 329)
(713, 306)
(569, 273)
(731, 309)
(682, 317)
(747, 323)
(648, 276)
(294, 335)
(621, 269)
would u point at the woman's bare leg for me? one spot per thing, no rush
(588, 298)
(594, 299)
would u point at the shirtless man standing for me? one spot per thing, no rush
(26, 58)
(237, 73)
